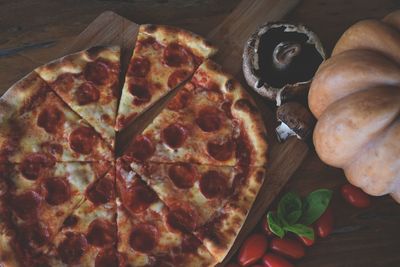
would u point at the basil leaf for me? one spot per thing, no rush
(315, 205)
(290, 208)
(275, 225)
(301, 230)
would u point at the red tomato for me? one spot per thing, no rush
(232, 265)
(252, 249)
(324, 225)
(273, 260)
(288, 247)
(265, 227)
(306, 241)
(355, 196)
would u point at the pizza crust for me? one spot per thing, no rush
(220, 233)
(169, 34)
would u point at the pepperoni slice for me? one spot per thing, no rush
(26, 204)
(182, 219)
(101, 192)
(72, 247)
(213, 184)
(139, 67)
(33, 164)
(139, 88)
(141, 148)
(190, 244)
(174, 135)
(226, 107)
(180, 100)
(183, 175)
(177, 77)
(50, 119)
(208, 119)
(64, 82)
(35, 235)
(220, 149)
(101, 233)
(57, 190)
(144, 238)
(71, 221)
(87, 93)
(176, 55)
(107, 258)
(139, 198)
(82, 140)
(97, 72)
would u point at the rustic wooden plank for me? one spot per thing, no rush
(233, 32)
(29, 22)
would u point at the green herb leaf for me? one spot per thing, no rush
(275, 224)
(290, 208)
(315, 205)
(301, 230)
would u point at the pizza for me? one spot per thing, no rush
(163, 58)
(202, 195)
(88, 81)
(33, 119)
(148, 231)
(36, 206)
(179, 192)
(212, 120)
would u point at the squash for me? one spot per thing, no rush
(355, 95)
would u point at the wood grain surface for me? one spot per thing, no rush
(33, 32)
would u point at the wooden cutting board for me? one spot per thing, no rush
(230, 36)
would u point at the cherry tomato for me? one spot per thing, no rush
(252, 249)
(232, 265)
(288, 247)
(306, 241)
(273, 260)
(265, 227)
(355, 196)
(324, 225)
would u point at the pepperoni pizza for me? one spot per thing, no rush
(181, 190)
(163, 58)
(149, 233)
(212, 120)
(88, 82)
(34, 119)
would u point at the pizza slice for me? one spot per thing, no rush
(88, 81)
(39, 199)
(33, 119)
(201, 197)
(211, 120)
(148, 233)
(163, 57)
(89, 235)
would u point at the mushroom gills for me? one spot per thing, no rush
(286, 57)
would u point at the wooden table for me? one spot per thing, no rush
(33, 32)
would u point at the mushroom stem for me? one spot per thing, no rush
(284, 53)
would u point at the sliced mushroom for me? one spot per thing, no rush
(280, 59)
(295, 120)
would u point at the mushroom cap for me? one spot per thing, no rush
(252, 66)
